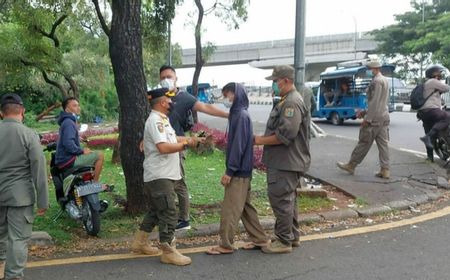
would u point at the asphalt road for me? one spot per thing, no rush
(404, 128)
(412, 252)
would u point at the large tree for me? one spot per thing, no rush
(419, 37)
(125, 49)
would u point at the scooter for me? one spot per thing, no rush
(77, 193)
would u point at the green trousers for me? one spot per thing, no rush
(16, 224)
(163, 211)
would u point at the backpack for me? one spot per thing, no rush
(416, 98)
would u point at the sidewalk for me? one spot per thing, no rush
(413, 180)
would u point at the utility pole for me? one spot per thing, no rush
(169, 39)
(299, 48)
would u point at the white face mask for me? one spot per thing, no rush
(167, 83)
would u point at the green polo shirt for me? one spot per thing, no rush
(23, 174)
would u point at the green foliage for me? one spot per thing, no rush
(419, 37)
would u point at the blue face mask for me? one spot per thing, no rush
(77, 117)
(275, 88)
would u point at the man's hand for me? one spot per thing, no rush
(225, 181)
(360, 114)
(86, 151)
(193, 142)
(41, 211)
(365, 123)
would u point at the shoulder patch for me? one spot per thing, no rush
(289, 112)
(160, 127)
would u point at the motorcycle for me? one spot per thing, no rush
(442, 144)
(77, 193)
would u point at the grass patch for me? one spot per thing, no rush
(203, 175)
(361, 202)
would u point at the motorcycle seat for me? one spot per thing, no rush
(76, 170)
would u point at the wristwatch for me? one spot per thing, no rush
(185, 144)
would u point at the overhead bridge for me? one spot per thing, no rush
(320, 52)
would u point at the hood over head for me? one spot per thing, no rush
(240, 101)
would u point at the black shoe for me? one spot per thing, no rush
(183, 225)
(427, 141)
(109, 188)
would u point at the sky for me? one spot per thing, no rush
(274, 20)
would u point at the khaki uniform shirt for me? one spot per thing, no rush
(157, 165)
(23, 173)
(377, 97)
(289, 121)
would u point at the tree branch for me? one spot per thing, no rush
(54, 83)
(52, 34)
(101, 18)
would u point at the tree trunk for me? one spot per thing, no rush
(199, 61)
(48, 110)
(125, 48)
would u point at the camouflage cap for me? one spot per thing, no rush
(282, 71)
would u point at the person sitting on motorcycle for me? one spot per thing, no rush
(434, 118)
(68, 150)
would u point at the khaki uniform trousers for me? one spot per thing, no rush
(236, 206)
(162, 209)
(282, 191)
(16, 224)
(182, 193)
(368, 134)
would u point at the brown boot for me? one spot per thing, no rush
(170, 255)
(349, 167)
(384, 173)
(141, 245)
(2, 270)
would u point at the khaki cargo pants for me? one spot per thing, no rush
(16, 224)
(367, 135)
(282, 187)
(162, 209)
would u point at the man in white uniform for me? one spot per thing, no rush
(161, 171)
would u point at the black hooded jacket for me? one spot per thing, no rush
(239, 156)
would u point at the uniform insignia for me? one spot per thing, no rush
(289, 112)
(160, 127)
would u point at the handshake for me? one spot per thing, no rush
(194, 142)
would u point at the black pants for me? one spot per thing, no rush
(434, 121)
(439, 119)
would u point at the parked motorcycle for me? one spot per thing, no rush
(77, 193)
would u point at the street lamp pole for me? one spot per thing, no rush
(356, 34)
(299, 49)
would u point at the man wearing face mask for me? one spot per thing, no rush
(180, 119)
(161, 172)
(68, 151)
(23, 182)
(375, 124)
(287, 157)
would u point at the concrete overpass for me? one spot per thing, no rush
(321, 52)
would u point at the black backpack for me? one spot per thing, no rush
(188, 121)
(417, 100)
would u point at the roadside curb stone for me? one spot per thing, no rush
(339, 214)
(401, 204)
(40, 238)
(373, 210)
(309, 218)
(420, 199)
(443, 183)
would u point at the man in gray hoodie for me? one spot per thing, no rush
(238, 175)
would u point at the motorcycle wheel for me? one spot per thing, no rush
(441, 147)
(91, 221)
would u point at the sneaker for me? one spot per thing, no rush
(277, 247)
(183, 225)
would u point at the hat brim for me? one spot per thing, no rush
(271, 78)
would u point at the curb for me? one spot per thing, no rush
(44, 239)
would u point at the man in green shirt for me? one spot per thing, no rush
(23, 182)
